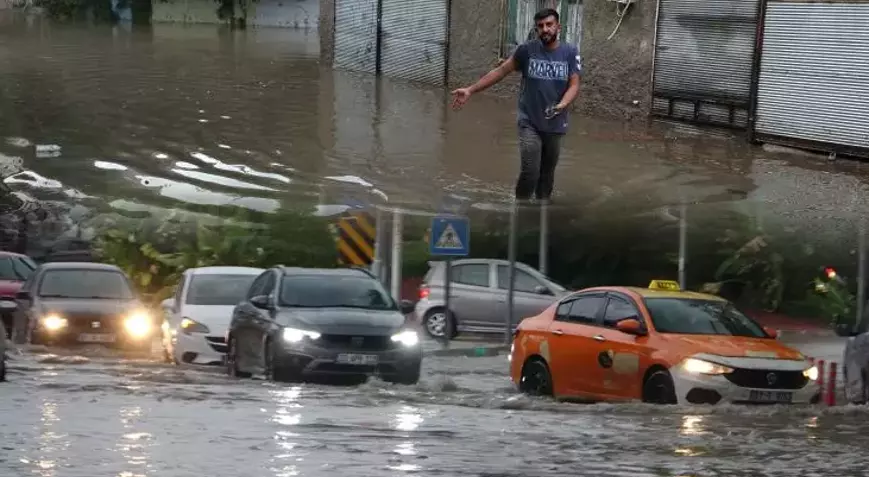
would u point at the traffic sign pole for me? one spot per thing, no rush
(511, 274)
(683, 244)
(544, 238)
(450, 237)
(395, 282)
(448, 316)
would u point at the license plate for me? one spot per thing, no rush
(96, 338)
(770, 396)
(357, 359)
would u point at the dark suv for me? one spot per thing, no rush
(299, 323)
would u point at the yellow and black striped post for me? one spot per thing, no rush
(356, 239)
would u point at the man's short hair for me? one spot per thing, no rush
(545, 13)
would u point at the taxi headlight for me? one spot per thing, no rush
(54, 322)
(189, 326)
(407, 338)
(137, 324)
(294, 335)
(811, 373)
(699, 366)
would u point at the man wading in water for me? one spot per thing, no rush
(550, 83)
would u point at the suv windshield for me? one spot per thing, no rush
(85, 283)
(218, 289)
(701, 317)
(330, 291)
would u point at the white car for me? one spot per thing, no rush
(196, 319)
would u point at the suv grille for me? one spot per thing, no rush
(368, 343)
(767, 379)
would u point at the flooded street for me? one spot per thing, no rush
(180, 117)
(72, 416)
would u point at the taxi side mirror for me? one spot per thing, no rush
(631, 326)
(771, 332)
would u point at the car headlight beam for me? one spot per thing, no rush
(54, 322)
(811, 373)
(295, 335)
(190, 326)
(138, 325)
(699, 366)
(407, 338)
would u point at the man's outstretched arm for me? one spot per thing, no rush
(461, 95)
(495, 76)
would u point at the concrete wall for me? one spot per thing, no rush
(618, 72)
(475, 42)
(265, 13)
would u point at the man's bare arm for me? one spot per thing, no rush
(496, 75)
(571, 93)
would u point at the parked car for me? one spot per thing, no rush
(478, 296)
(300, 323)
(69, 303)
(14, 270)
(197, 318)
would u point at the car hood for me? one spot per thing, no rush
(71, 307)
(734, 346)
(215, 317)
(8, 288)
(343, 321)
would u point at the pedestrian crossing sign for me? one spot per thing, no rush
(449, 236)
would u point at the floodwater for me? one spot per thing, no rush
(77, 416)
(180, 117)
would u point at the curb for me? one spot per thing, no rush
(470, 352)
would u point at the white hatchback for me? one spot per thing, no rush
(196, 319)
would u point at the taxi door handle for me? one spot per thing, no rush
(557, 332)
(599, 338)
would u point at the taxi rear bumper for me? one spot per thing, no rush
(693, 388)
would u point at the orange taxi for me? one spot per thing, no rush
(659, 345)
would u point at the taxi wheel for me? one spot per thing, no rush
(536, 379)
(659, 388)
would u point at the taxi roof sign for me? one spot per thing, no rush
(668, 285)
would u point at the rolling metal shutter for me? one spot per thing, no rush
(356, 35)
(704, 55)
(414, 40)
(813, 83)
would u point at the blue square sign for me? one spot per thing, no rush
(450, 236)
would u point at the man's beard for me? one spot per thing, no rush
(548, 39)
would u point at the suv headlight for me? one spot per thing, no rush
(811, 373)
(189, 326)
(699, 366)
(138, 324)
(407, 338)
(294, 335)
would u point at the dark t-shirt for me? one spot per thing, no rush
(545, 77)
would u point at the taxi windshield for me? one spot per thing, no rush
(701, 317)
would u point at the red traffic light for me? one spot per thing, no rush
(830, 272)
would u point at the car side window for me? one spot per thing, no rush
(258, 286)
(269, 285)
(584, 310)
(476, 274)
(525, 282)
(617, 309)
(562, 313)
(7, 271)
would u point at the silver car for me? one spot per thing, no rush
(478, 296)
